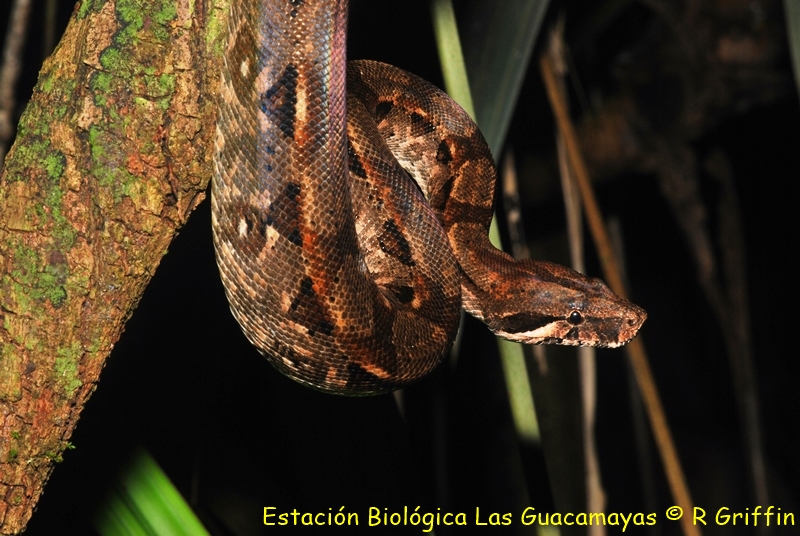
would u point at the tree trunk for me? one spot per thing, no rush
(112, 155)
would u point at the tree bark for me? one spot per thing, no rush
(112, 155)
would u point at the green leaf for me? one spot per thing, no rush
(145, 502)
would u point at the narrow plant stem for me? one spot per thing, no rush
(451, 57)
(457, 86)
(595, 497)
(613, 275)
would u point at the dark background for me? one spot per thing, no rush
(234, 435)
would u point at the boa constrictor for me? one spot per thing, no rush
(335, 266)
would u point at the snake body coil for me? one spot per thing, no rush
(336, 267)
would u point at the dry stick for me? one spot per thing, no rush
(595, 494)
(636, 352)
(15, 38)
(511, 206)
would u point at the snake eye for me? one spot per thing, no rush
(575, 318)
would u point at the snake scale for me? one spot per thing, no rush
(335, 266)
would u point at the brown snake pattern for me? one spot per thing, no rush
(334, 265)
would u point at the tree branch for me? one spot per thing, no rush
(112, 155)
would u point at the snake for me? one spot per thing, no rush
(351, 204)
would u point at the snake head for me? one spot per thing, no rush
(552, 304)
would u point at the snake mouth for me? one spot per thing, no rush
(589, 331)
(586, 344)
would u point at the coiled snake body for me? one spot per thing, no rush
(335, 266)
